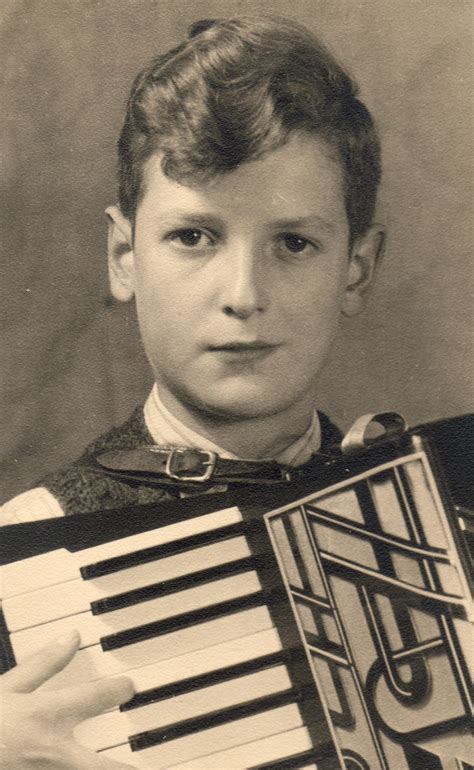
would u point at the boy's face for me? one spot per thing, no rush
(240, 281)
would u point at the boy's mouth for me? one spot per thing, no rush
(238, 347)
(238, 350)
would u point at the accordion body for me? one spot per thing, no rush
(324, 624)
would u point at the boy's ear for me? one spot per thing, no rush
(365, 260)
(120, 255)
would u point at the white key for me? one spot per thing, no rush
(61, 565)
(226, 736)
(202, 661)
(47, 604)
(93, 663)
(209, 659)
(124, 754)
(164, 534)
(258, 752)
(170, 567)
(37, 572)
(93, 628)
(59, 601)
(115, 727)
(29, 640)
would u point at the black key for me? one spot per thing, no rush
(117, 563)
(187, 619)
(210, 678)
(166, 587)
(214, 719)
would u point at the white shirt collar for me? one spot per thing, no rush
(167, 430)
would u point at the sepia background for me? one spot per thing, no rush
(71, 364)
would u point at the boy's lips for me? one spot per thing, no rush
(238, 349)
(238, 345)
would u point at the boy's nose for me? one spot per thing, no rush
(245, 284)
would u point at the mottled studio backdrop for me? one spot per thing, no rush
(71, 364)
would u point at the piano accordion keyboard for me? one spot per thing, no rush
(182, 611)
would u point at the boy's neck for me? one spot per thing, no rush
(252, 438)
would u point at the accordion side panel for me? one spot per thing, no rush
(383, 606)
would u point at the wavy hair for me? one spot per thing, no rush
(235, 90)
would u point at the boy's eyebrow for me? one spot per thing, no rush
(192, 218)
(311, 219)
(210, 220)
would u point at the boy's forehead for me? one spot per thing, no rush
(299, 179)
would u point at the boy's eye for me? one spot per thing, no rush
(190, 237)
(296, 244)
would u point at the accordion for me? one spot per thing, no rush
(324, 624)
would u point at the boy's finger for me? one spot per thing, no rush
(42, 665)
(89, 700)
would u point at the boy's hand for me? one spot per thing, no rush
(36, 727)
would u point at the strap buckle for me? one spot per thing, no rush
(190, 464)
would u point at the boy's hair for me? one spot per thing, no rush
(237, 89)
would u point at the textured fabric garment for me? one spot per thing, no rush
(165, 430)
(79, 489)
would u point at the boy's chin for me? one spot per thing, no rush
(244, 403)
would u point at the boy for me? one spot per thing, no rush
(248, 178)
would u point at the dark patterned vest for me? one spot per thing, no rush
(81, 490)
